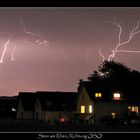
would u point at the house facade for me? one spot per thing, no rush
(50, 107)
(25, 105)
(93, 104)
(87, 106)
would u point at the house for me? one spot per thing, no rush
(94, 102)
(54, 106)
(89, 105)
(25, 105)
(47, 106)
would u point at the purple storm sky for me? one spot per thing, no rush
(74, 35)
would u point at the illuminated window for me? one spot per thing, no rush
(116, 96)
(98, 94)
(90, 108)
(133, 109)
(113, 114)
(82, 109)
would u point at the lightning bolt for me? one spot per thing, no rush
(38, 37)
(41, 39)
(12, 54)
(135, 30)
(5, 48)
(103, 57)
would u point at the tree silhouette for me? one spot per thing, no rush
(116, 76)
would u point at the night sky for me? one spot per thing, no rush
(73, 37)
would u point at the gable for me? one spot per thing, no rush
(83, 97)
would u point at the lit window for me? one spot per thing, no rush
(113, 114)
(82, 109)
(98, 94)
(116, 96)
(90, 108)
(133, 108)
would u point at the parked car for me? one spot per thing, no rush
(108, 120)
(135, 122)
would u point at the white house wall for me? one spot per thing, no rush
(86, 101)
(26, 114)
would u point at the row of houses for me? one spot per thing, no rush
(88, 105)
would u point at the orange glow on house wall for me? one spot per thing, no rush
(62, 119)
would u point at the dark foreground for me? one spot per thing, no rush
(34, 126)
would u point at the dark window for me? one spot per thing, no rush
(37, 104)
(36, 115)
(21, 114)
(83, 97)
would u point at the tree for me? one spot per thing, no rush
(115, 76)
(111, 69)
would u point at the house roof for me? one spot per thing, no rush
(27, 99)
(54, 101)
(107, 91)
(50, 101)
(92, 88)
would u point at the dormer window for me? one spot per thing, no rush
(98, 95)
(116, 96)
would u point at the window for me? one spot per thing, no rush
(133, 109)
(116, 96)
(98, 94)
(36, 115)
(21, 114)
(90, 108)
(82, 109)
(83, 96)
(37, 104)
